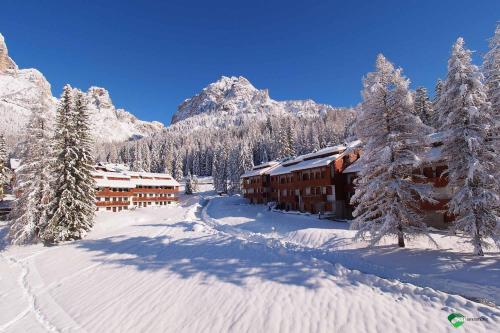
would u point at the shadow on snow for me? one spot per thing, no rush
(227, 259)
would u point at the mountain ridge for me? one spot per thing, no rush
(23, 91)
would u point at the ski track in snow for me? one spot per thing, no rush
(29, 295)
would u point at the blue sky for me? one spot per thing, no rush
(151, 55)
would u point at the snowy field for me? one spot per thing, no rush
(216, 264)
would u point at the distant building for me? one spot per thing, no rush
(118, 189)
(310, 183)
(256, 183)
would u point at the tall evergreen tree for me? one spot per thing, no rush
(438, 90)
(491, 69)
(29, 213)
(385, 193)
(169, 159)
(189, 184)
(69, 211)
(423, 106)
(464, 115)
(178, 171)
(84, 167)
(220, 169)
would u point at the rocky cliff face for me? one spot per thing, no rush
(6, 63)
(232, 100)
(111, 124)
(23, 91)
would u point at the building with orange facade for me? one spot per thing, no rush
(255, 184)
(119, 189)
(307, 183)
(323, 182)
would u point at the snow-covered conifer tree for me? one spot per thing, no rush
(491, 69)
(196, 163)
(84, 166)
(71, 207)
(29, 213)
(386, 196)
(220, 169)
(423, 106)
(178, 172)
(189, 184)
(465, 115)
(169, 159)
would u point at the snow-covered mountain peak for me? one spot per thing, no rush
(6, 63)
(229, 100)
(231, 85)
(99, 97)
(233, 95)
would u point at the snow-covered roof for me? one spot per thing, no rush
(132, 179)
(310, 163)
(327, 150)
(260, 169)
(322, 157)
(353, 168)
(314, 163)
(113, 167)
(433, 155)
(104, 182)
(154, 182)
(437, 137)
(280, 170)
(14, 163)
(100, 173)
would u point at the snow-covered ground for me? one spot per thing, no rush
(216, 264)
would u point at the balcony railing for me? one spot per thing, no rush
(112, 203)
(153, 190)
(154, 199)
(107, 193)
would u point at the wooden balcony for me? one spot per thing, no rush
(112, 203)
(153, 190)
(154, 199)
(316, 182)
(108, 193)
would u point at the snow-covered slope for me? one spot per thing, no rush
(231, 100)
(233, 267)
(23, 91)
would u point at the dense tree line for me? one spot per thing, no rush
(227, 152)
